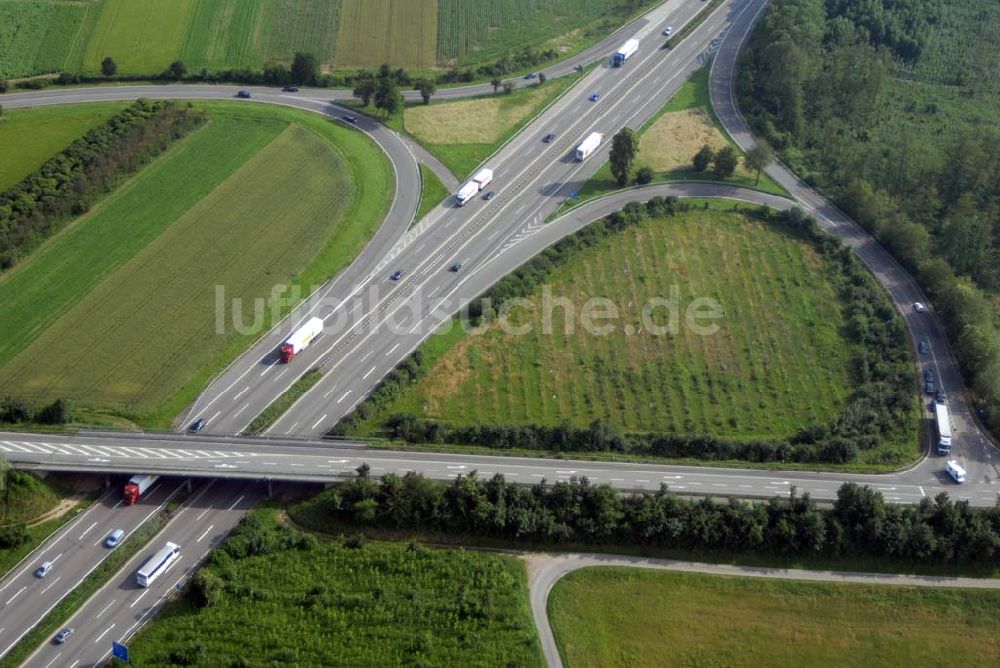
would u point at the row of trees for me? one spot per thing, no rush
(925, 181)
(880, 406)
(14, 410)
(860, 522)
(67, 183)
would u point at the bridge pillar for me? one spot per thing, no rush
(107, 482)
(270, 492)
(187, 485)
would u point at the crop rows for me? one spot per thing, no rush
(398, 32)
(36, 37)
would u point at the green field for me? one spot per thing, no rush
(31, 136)
(38, 36)
(402, 33)
(636, 617)
(777, 362)
(327, 603)
(118, 312)
(432, 191)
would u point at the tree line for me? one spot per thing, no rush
(935, 531)
(16, 410)
(67, 184)
(879, 407)
(815, 81)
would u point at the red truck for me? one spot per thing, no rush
(136, 486)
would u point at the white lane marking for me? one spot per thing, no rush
(56, 558)
(389, 352)
(319, 420)
(115, 507)
(367, 355)
(368, 373)
(269, 463)
(100, 637)
(922, 493)
(50, 585)
(296, 464)
(240, 394)
(215, 415)
(245, 406)
(56, 658)
(292, 428)
(9, 600)
(283, 372)
(210, 527)
(202, 514)
(330, 391)
(144, 592)
(73, 665)
(266, 369)
(237, 501)
(106, 608)
(343, 396)
(87, 530)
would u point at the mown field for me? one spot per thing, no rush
(341, 603)
(701, 620)
(118, 313)
(31, 136)
(145, 37)
(776, 363)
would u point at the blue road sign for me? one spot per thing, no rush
(574, 195)
(119, 651)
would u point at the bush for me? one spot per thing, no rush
(644, 175)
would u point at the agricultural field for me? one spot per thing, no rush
(240, 203)
(346, 603)
(402, 33)
(31, 136)
(38, 36)
(776, 363)
(709, 620)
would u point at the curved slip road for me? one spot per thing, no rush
(544, 570)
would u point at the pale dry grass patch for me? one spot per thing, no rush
(672, 140)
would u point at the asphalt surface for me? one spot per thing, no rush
(264, 459)
(544, 570)
(121, 606)
(75, 550)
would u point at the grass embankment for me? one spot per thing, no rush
(278, 407)
(120, 309)
(776, 363)
(669, 140)
(31, 136)
(432, 191)
(463, 133)
(345, 603)
(708, 620)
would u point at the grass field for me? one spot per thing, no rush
(402, 33)
(129, 327)
(38, 36)
(700, 620)
(777, 362)
(327, 604)
(26, 498)
(31, 136)
(432, 191)
(142, 37)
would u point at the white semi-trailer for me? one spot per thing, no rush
(625, 52)
(943, 428)
(473, 186)
(589, 145)
(301, 338)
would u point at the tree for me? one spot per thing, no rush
(4, 85)
(703, 158)
(177, 69)
(507, 87)
(541, 78)
(58, 412)
(387, 96)
(726, 161)
(496, 83)
(758, 158)
(427, 87)
(364, 90)
(109, 67)
(304, 68)
(644, 175)
(624, 148)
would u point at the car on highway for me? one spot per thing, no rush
(924, 347)
(64, 635)
(930, 387)
(243, 94)
(578, 68)
(530, 75)
(929, 375)
(291, 89)
(594, 97)
(198, 425)
(455, 267)
(488, 196)
(43, 570)
(940, 397)
(115, 538)
(350, 119)
(668, 31)
(919, 307)
(549, 138)
(396, 275)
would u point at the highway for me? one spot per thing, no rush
(121, 606)
(74, 550)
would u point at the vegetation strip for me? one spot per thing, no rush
(692, 25)
(277, 408)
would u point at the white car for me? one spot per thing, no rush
(668, 30)
(919, 307)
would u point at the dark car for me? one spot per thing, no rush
(456, 266)
(245, 94)
(198, 424)
(530, 75)
(351, 119)
(291, 89)
(929, 375)
(488, 196)
(594, 97)
(939, 397)
(43, 570)
(578, 68)
(548, 138)
(396, 275)
(64, 635)
(924, 347)
(930, 387)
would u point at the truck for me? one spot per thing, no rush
(588, 146)
(301, 338)
(158, 564)
(473, 186)
(943, 428)
(625, 52)
(138, 485)
(956, 471)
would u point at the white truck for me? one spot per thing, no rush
(943, 428)
(301, 338)
(956, 471)
(625, 52)
(473, 186)
(588, 146)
